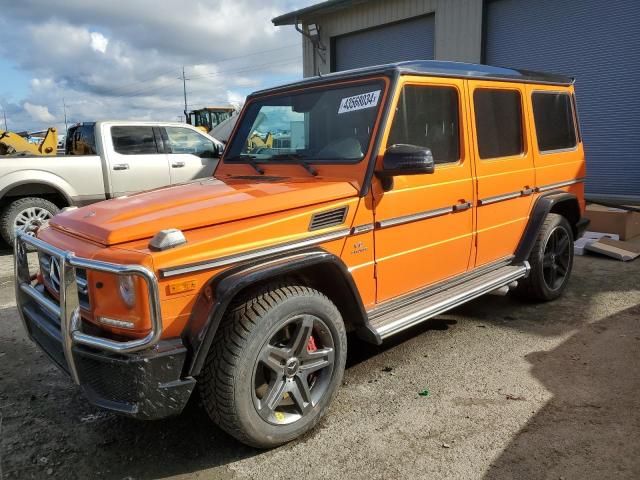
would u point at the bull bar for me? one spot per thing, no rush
(67, 309)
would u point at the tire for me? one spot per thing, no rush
(26, 214)
(551, 262)
(268, 332)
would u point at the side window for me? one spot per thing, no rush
(81, 140)
(428, 117)
(131, 140)
(554, 121)
(498, 122)
(185, 140)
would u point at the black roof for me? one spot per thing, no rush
(436, 68)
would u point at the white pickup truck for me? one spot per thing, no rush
(102, 160)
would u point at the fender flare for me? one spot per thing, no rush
(543, 206)
(37, 177)
(226, 285)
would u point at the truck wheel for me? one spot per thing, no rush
(275, 365)
(551, 261)
(25, 214)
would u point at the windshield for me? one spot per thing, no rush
(326, 124)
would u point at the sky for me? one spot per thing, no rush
(123, 59)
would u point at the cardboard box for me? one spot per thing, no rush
(624, 251)
(613, 220)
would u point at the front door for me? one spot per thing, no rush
(424, 223)
(504, 167)
(136, 160)
(191, 154)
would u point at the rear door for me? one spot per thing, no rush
(136, 159)
(504, 167)
(424, 223)
(191, 154)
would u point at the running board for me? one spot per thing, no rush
(423, 309)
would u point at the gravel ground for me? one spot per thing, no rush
(515, 391)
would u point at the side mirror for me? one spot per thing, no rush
(401, 159)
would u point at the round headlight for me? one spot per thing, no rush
(128, 290)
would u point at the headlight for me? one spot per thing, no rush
(127, 290)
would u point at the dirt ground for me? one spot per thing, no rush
(515, 391)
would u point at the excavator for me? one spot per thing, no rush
(15, 144)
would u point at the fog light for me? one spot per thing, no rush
(127, 290)
(112, 322)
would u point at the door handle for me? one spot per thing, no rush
(527, 191)
(178, 164)
(121, 166)
(461, 207)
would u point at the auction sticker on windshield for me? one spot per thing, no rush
(359, 102)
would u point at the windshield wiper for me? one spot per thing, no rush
(298, 159)
(248, 159)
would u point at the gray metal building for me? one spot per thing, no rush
(597, 41)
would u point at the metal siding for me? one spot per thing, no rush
(408, 40)
(598, 42)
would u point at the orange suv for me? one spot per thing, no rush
(383, 196)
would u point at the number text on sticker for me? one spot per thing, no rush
(359, 102)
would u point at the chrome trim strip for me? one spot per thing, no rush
(253, 254)
(551, 186)
(362, 229)
(414, 217)
(67, 309)
(499, 198)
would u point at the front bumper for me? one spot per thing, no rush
(141, 378)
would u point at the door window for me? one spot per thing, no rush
(134, 140)
(427, 116)
(498, 122)
(553, 116)
(185, 140)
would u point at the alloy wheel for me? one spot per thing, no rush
(557, 258)
(30, 219)
(293, 370)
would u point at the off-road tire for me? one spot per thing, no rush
(534, 288)
(9, 214)
(226, 384)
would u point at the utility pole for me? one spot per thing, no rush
(184, 89)
(4, 114)
(64, 106)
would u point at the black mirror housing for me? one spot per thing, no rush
(401, 159)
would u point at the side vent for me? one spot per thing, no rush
(327, 219)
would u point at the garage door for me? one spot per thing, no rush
(598, 42)
(408, 40)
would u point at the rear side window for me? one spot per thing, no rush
(81, 140)
(428, 117)
(184, 140)
(133, 140)
(553, 115)
(498, 122)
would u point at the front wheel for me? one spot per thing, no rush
(26, 215)
(275, 365)
(551, 261)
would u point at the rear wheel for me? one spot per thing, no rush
(25, 214)
(275, 365)
(551, 261)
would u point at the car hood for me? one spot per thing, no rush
(194, 205)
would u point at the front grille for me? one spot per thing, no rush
(50, 269)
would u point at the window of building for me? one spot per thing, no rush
(498, 122)
(427, 116)
(185, 140)
(132, 140)
(553, 115)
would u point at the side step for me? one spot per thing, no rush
(422, 309)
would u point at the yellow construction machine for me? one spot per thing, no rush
(18, 145)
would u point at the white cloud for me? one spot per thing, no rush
(39, 113)
(99, 42)
(123, 58)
